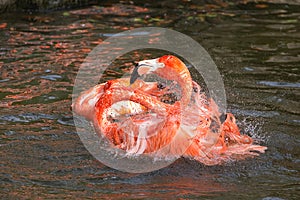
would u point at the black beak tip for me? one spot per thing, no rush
(223, 117)
(135, 75)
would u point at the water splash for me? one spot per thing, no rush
(253, 129)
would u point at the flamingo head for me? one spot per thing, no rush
(169, 67)
(145, 67)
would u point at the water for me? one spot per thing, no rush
(256, 47)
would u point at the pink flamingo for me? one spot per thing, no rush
(131, 115)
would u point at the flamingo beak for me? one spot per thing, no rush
(135, 74)
(145, 67)
(223, 117)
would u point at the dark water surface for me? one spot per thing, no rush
(256, 47)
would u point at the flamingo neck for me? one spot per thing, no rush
(182, 76)
(185, 82)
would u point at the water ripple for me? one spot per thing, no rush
(26, 117)
(279, 84)
(51, 77)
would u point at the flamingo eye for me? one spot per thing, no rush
(161, 86)
(227, 140)
(195, 89)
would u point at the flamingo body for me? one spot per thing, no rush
(133, 117)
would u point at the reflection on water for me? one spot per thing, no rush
(256, 47)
